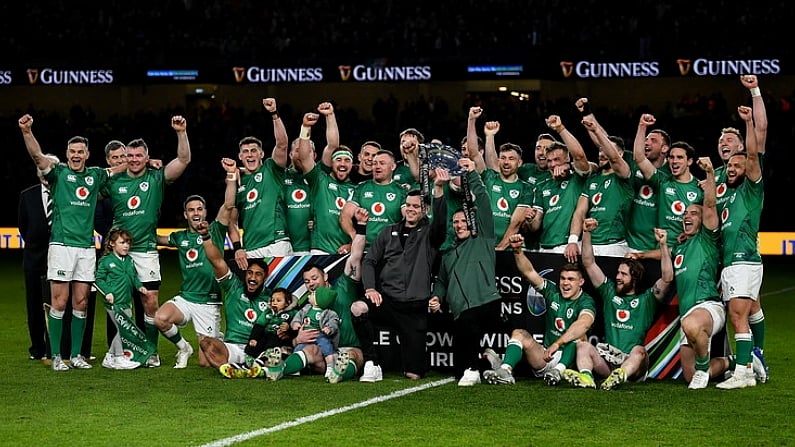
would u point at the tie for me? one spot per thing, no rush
(48, 209)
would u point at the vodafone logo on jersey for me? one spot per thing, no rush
(192, 254)
(678, 261)
(678, 207)
(377, 209)
(133, 202)
(645, 192)
(560, 324)
(596, 198)
(721, 189)
(554, 200)
(252, 195)
(339, 203)
(622, 315)
(724, 215)
(250, 315)
(298, 196)
(81, 192)
(502, 204)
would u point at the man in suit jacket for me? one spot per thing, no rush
(36, 234)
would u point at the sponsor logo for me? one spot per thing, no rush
(678, 207)
(251, 315)
(133, 202)
(258, 75)
(339, 203)
(82, 193)
(298, 196)
(192, 254)
(502, 204)
(678, 261)
(709, 67)
(364, 73)
(597, 198)
(49, 76)
(721, 189)
(377, 208)
(560, 324)
(252, 195)
(622, 315)
(554, 200)
(586, 69)
(724, 215)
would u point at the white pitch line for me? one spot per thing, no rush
(776, 292)
(303, 420)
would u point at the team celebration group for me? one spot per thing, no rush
(418, 233)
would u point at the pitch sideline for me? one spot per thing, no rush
(302, 420)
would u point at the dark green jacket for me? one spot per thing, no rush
(466, 276)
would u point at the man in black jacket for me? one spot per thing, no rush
(36, 234)
(397, 278)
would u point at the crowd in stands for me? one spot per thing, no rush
(223, 32)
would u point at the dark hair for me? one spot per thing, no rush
(191, 198)
(113, 145)
(571, 267)
(370, 143)
(114, 234)
(510, 147)
(415, 132)
(250, 140)
(666, 138)
(260, 262)
(480, 142)
(288, 297)
(138, 142)
(636, 270)
(385, 152)
(619, 142)
(309, 267)
(690, 153)
(78, 139)
(414, 193)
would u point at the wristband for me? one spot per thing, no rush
(231, 177)
(360, 228)
(755, 92)
(304, 135)
(586, 109)
(236, 245)
(275, 112)
(573, 238)
(206, 237)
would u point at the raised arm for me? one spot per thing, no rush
(584, 107)
(760, 113)
(279, 154)
(354, 263)
(660, 288)
(472, 151)
(305, 152)
(177, 166)
(214, 255)
(523, 263)
(594, 272)
(579, 160)
(753, 171)
(572, 249)
(332, 131)
(230, 191)
(709, 218)
(490, 129)
(639, 146)
(32, 145)
(598, 134)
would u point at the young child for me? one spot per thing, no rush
(272, 327)
(116, 279)
(317, 314)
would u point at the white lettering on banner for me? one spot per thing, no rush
(51, 76)
(495, 340)
(438, 339)
(443, 359)
(585, 69)
(707, 67)
(512, 308)
(274, 75)
(5, 77)
(509, 284)
(368, 73)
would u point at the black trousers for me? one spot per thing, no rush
(468, 330)
(410, 321)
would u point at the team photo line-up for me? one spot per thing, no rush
(412, 236)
